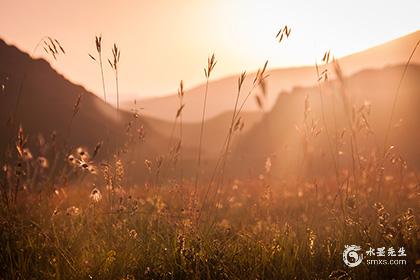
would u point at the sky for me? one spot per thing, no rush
(164, 41)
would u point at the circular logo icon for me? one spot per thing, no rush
(351, 257)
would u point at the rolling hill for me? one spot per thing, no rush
(222, 92)
(215, 131)
(362, 101)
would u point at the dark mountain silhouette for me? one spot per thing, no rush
(45, 105)
(363, 101)
(42, 101)
(222, 92)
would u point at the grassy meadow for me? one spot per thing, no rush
(70, 212)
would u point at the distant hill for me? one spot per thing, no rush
(215, 130)
(222, 92)
(280, 134)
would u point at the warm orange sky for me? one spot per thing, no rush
(163, 41)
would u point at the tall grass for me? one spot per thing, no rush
(116, 53)
(98, 45)
(392, 113)
(211, 63)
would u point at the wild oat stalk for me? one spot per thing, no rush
(259, 80)
(391, 117)
(174, 151)
(98, 44)
(241, 80)
(179, 114)
(114, 65)
(324, 76)
(52, 47)
(21, 142)
(211, 62)
(348, 108)
(284, 32)
(235, 125)
(76, 108)
(397, 93)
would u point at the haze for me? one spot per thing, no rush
(163, 42)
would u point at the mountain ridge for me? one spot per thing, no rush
(282, 134)
(223, 91)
